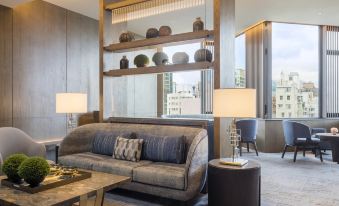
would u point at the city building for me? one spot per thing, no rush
(293, 98)
(240, 78)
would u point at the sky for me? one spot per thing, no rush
(295, 48)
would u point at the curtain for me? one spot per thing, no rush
(255, 64)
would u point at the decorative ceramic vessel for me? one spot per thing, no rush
(152, 33)
(165, 31)
(334, 130)
(124, 63)
(203, 55)
(160, 58)
(180, 58)
(126, 37)
(141, 60)
(198, 25)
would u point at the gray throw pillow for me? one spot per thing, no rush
(164, 149)
(103, 142)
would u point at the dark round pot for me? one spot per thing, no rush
(198, 25)
(160, 58)
(141, 60)
(165, 31)
(203, 55)
(180, 58)
(124, 63)
(126, 37)
(152, 33)
(33, 182)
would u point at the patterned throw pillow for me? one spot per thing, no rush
(127, 149)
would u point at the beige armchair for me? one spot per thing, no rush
(13, 140)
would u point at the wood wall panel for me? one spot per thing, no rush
(5, 66)
(82, 57)
(39, 67)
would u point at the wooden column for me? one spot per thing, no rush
(224, 66)
(101, 58)
(6, 26)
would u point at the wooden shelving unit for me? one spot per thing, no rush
(159, 69)
(189, 37)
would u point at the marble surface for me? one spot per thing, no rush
(63, 195)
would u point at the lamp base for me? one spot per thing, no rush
(229, 161)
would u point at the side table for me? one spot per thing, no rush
(232, 185)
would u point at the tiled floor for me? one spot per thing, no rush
(307, 182)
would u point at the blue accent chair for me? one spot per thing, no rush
(248, 130)
(299, 136)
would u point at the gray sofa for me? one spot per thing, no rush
(175, 181)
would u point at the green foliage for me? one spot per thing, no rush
(141, 60)
(11, 165)
(34, 170)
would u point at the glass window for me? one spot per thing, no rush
(295, 66)
(240, 61)
(182, 90)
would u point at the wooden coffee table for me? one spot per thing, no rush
(80, 191)
(334, 141)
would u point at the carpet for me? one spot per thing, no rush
(307, 182)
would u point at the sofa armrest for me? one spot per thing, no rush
(77, 141)
(196, 163)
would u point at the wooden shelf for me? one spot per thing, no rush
(189, 37)
(160, 69)
(122, 3)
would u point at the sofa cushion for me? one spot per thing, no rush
(161, 174)
(128, 149)
(103, 142)
(118, 167)
(83, 160)
(163, 148)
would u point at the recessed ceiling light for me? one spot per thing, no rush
(320, 13)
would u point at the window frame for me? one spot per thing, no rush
(267, 61)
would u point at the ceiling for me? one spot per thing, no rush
(248, 12)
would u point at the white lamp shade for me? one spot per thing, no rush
(237, 103)
(71, 103)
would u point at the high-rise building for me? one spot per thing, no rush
(167, 89)
(240, 78)
(183, 103)
(295, 99)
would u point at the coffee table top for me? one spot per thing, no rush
(327, 136)
(66, 194)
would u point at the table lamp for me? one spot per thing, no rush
(234, 103)
(71, 103)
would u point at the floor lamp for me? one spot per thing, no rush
(234, 103)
